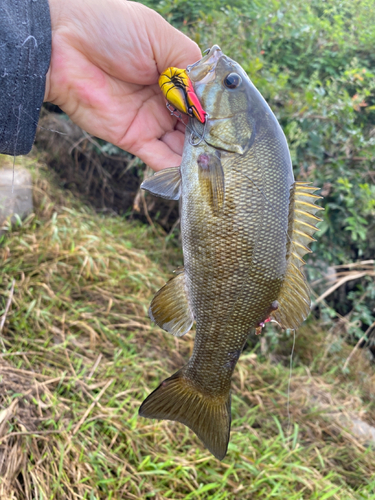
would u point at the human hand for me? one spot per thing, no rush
(105, 64)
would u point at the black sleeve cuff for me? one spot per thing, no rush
(25, 52)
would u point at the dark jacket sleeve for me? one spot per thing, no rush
(25, 51)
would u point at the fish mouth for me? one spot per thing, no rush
(203, 71)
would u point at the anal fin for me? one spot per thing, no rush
(170, 308)
(166, 183)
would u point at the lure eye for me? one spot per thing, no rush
(232, 80)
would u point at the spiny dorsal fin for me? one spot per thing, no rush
(303, 214)
(294, 297)
(166, 183)
(211, 179)
(170, 308)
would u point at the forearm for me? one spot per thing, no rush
(25, 51)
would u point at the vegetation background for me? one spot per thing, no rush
(78, 351)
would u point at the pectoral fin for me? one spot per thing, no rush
(294, 297)
(211, 179)
(170, 308)
(166, 183)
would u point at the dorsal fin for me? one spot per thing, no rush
(294, 297)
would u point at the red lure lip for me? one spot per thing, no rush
(194, 103)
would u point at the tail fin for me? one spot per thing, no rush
(176, 399)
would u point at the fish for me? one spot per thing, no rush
(245, 225)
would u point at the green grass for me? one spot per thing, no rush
(79, 354)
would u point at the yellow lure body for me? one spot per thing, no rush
(179, 92)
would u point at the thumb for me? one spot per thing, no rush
(170, 46)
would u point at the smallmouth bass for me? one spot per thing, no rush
(245, 226)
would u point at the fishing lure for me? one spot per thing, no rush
(179, 92)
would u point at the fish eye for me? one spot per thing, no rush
(232, 80)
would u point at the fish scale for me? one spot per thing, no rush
(245, 225)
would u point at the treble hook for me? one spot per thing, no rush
(174, 112)
(201, 137)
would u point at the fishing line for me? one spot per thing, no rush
(19, 119)
(15, 144)
(289, 381)
(42, 128)
(294, 332)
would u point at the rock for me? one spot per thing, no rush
(363, 430)
(20, 201)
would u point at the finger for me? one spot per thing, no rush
(175, 141)
(170, 46)
(138, 44)
(157, 155)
